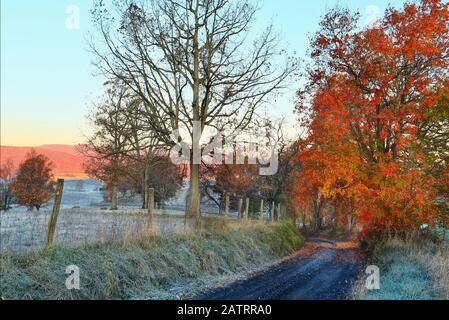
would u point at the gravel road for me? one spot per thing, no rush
(321, 270)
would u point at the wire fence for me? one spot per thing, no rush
(85, 218)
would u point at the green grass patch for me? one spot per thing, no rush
(150, 267)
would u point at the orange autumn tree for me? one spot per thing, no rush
(235, 180)
(367, 96)
(33, 185)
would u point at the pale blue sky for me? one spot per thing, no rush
(46, 75)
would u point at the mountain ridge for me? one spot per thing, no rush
(67, 161)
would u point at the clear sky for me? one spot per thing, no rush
(47, 81)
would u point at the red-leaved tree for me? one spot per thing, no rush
(369, 94)
(33, 185)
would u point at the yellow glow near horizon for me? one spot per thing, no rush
(23, 134)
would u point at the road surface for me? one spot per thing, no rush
(321, 270)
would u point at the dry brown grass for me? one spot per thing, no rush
(435, 258)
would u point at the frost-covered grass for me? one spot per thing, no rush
(22, 231)
(409, 270)
(442, 233)
(148, 266)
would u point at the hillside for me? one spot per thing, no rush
(68, 163)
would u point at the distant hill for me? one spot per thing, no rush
(68, 163)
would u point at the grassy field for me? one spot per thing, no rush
(409, 270)
(148, 266)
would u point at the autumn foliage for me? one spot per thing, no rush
(372, 99)
(33, 185)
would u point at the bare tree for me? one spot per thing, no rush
(190, 62)
(152, 170)
(6, 178)
(108, 146)
(144, 150)
(275, 187)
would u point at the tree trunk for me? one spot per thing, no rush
(317, 207)
(145, 186)
(114, 198)
(317, 218)
(144, 191)
(304, 218)
(193, 209)
(150, 203)
(351, 221)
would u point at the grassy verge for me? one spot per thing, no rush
(409, 270)
(147, 266)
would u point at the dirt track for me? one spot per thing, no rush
(321, 270)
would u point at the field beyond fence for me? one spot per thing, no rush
(23, 231)
(84, 218)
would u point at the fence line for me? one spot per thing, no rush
(56, 223)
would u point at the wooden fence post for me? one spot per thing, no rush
(239, 209)
(261, 209)
(272, 211)
(145, 199)
(54, 214)
(150, 192)
(227, 206)
(247, 209)
(279, 212)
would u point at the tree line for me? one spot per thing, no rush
(374, 104)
